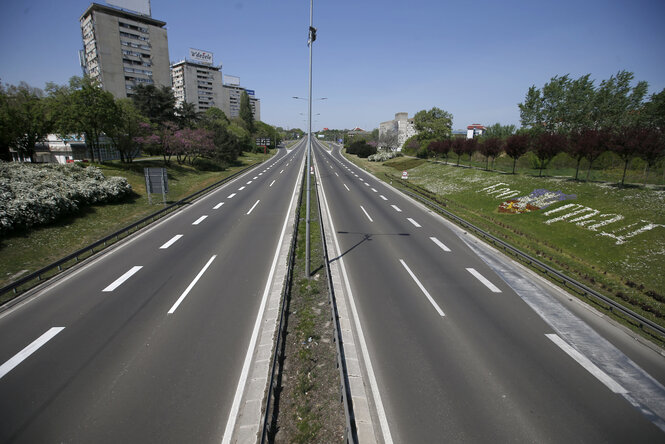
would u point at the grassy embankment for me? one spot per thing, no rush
(630, 272)
(309, 407)
(25, 251)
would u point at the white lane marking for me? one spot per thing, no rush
(254, 206)
(200, 219)
(423, 289)
(588, 365)
(374, 189)
(370, 219)
(255, 177)
(271, 184)
(27, 351)
(383, 420)
(235, 407)
(171, 242)
(260, 174)
(191, 285)
(482, 279)
(361, 179)
(241, 188)
(281, 172)
(231, 195)
(248, 182)
(396, 208)
(118, 282)
(383, 197)
(347, 188)
(218, 206)
(440, 244)
(336, 174)
(366, 184)
(416, 224)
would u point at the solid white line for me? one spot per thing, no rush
(416, 224)
(271, 184)
(374, 189)
(383, 420)
(235, 407)
(482, 279)
(241, 188)
(171, 242)
(439, 243)
(218, 206)
(27, 351)
(200, 219)
(396, 208)
(383, 197)
(588, 365)
(347, 188)
(191, 285)
(231, 196)
(249, 182)
(370, 219)
(118, 282)
(253, 206)
(431, 300)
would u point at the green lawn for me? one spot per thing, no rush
(617, 258)
(25, 251)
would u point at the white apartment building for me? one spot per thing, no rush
(232, 94)
(402, 125)
(198, 83)
(122, 49)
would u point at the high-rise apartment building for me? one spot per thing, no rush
(232, 94)
(197, 81)
(122, 49)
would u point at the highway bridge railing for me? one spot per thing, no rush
(567, 282)
(33, 279)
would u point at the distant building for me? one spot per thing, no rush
(122, 49)
(56, 149)
(402, 125)
(198, 83)
(232, 92)
(474, 130)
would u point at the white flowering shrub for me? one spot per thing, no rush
(382, 156)
(39, 194)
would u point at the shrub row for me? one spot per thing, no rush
(38, 194)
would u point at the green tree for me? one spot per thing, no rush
(186, 115)
(27, 118)
(246, 112)
(546, 146)
(156, 103)
(500, 131)
(6, 130)
(616, 103)
(126, 128)
(83, 107)
(653, 114)
(435, 124)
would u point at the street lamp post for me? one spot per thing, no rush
(310, 43)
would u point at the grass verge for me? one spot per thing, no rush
(630, 272)
(25, 251)
(309, 403)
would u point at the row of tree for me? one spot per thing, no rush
(149, 121)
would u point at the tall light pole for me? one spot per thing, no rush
(310, 43)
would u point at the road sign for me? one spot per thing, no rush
(405, 175)
(156, 181)
(262, 142)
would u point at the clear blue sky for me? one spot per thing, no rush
(372, 58)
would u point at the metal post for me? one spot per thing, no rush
(309, 138)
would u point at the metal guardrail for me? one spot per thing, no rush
(567, 281)
(56, 267)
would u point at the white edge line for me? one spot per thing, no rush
(118, 282)
(235, 407)
(415, 224)
(254, 206)
(366, 214)
(200, 219)
(423, 289)
(191, 285)
(587, 364)
(170, 242)
(484, 280)
(380, 411)
(440, 244)
(27, 351)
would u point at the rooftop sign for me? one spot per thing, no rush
(200, 56)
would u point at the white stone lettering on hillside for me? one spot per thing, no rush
(501, 193)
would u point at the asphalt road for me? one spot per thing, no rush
(146, 343)
(467, 352)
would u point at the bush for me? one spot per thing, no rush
(361, 149)
(422, 153)
(382, 156)
(39, 194)
(206, 164)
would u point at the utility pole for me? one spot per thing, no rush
(310, 43)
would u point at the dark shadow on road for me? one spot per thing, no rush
(366, 238)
